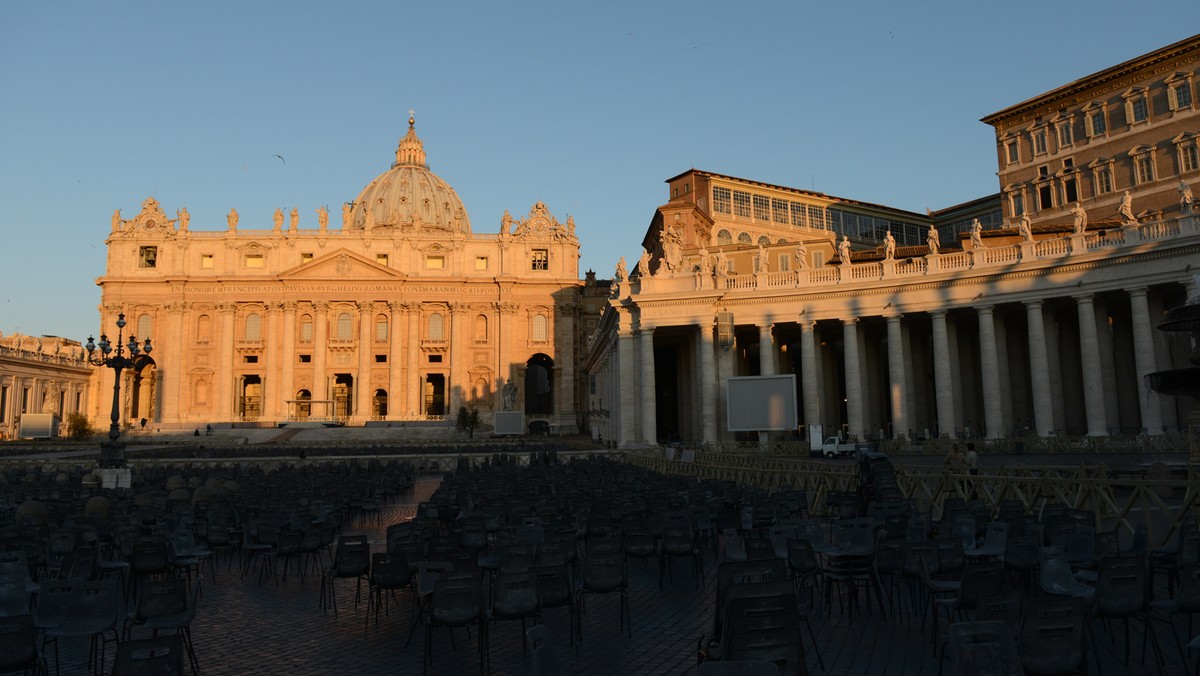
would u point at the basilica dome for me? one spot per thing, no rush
(409, 196)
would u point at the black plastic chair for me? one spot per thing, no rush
(352, 560)
(92, 614)
(19, 646)
(389, 574)
(555, 590)
(1122, 592)
(604, 572)
(514, 597)
(1053, 636)
(168, 606)
(984, 648)
(159, 656)
(457, 601)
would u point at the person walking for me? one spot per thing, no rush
(972, 459)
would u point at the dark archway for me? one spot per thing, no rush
(343, 395)
(303, 405)
(142, 386)
(379, 405)
(250, 405)
(539, 385)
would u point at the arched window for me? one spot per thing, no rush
(203, 329)
(436, 330)
(381, 328)
(724, 237)
(201, 394)
(764, 240)
(539, 328)
(345, 326)
(481, 328)
(479, 391)
(306, 329)
(253, 326)
(144, 326)
(744, 238)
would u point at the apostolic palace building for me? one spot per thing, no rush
(1030, 312)
(402, 313)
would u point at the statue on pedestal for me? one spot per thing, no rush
(889, 246)
(932, 239)
(1187, 202)
(509, 393)
(1126, 209)
(844, 250)
(976, 234)
(278, 219)
(1080, 224)
(232, 219)
(1025, 228)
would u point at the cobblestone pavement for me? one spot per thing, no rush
(277, 627)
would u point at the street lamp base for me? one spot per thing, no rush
(112, 455)
(115, 477)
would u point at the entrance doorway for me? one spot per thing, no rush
(435, 394)
(539, 385)
(250, 406)
(379, 405)
(343, 393)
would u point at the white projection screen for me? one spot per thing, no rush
(762, 403)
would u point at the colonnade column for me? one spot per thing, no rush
(989, 362)
(287, 367)
(272, 405)
(224, 377)
(808, 374)
(172, 409)
(413, 380)
(646, 377)
(395, 363)
(898, 395)
(1089, 353)
(320, 349)
(456, 385)
(766, 350)
(942, 379)
(854, 401)
(564, 364)
(708, 383)
(1143, 359)
(1039, 370)
(626, 432)
(362, 382)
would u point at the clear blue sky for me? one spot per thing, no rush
(586, 106)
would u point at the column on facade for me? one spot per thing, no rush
(942, 376)
(224, 377)
(649, 418)
(456, 385)
(627, 432)
(766, 350)
(809, 383)
(854, 389)
(898, 395)
(362, 383)
(708, 382)
(726, 367)
(173, 408)
(1144, 360)
(1039, 369)
(1108, 371)
(287, 365)
(272, 405)
(1089, 353)
(989, 363)
(413, 380)
(320, 351)
(564, 363)
(395, 363)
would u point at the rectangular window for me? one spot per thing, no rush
(721, 201)
(785, 262)
(148, 257)
(306, 258)
(381, 331)
(381, 359)
(250, 359)
(435, 359)
(1039, 142)
(1014, 154)
(1140, 112)
(1183, 95)
(481, 263)
(254, 260)
(1145, 169)
(1189, 158)
(1104, 182)
(382, 259)
(762, 208)
(741, 203)
(206, 261)
(779, 211)
(798, 215)
(1097, 123)
(435, 262)
(539, 259)
(1065, 137)
(1018, 204)
(591, 307)
(816, 217)
(306, 359)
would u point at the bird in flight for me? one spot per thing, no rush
(280, 158)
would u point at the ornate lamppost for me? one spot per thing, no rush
(112, 452)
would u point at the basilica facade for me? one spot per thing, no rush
(1036, 317)
(400, 313)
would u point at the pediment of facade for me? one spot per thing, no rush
(340, 264)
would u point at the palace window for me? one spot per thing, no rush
(306, 329)
(1185, 149)
(1013, 149)
(785, 262)
(381, 359)
(381, 259)
(1102, 176)
(724, 237)
(253, 327)
(145, 326)
(345, 326)
(779, 211)
(1143, 164)
(1179, 91)
(435, 262)
(798, 215)
(1016, 199)
(148, 257)
(253, 260)
(1066, 136)
(250, 359)
(741, 203)
(1137, 105)
(762, 208)
(306, 359)
(763, 240)
(381, 328)
(436, 330)
(721, 200)
(206, 261)
(1096, 122)
(306, 258)
(1039, 141)
(744, 238)
(539, 328)
(481, 263)
(539, 259)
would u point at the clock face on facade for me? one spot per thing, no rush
(150, 223)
